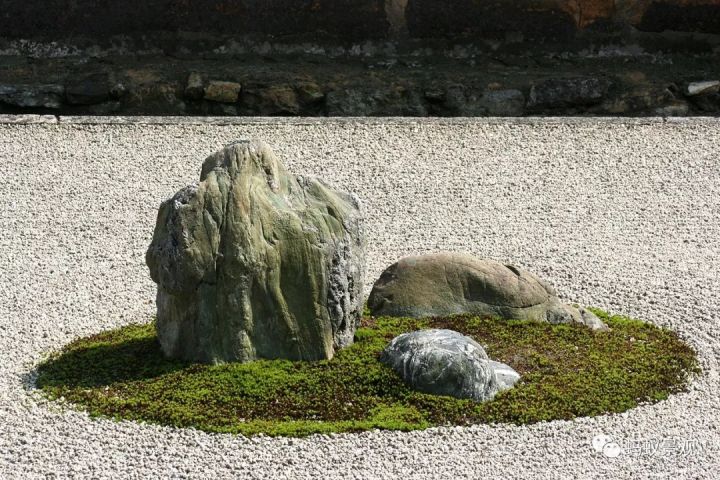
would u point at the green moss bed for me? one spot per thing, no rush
(567, 371)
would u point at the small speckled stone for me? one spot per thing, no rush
(445, 362)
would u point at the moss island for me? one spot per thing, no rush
(567, 371)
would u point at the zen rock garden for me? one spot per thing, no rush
(260, 310)
(254, 262)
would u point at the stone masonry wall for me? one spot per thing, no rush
(360, 57)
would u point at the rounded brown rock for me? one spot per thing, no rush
(449, 283)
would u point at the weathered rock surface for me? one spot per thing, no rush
(195, 87)
(705, 95)
(704, 87)
(506, 376)
(445, 362)
(254, 262)
(453, 283)
(503, 103)
(707, 103)
(275, 100)
(223, 92)
(32, 96)
(676, 108)
(591, 320)
(369, 102)
(563, 92)
(89, 90)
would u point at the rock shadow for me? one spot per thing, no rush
(103, 364)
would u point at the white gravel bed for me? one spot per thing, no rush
(620, 214)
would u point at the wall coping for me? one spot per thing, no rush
(220, 121)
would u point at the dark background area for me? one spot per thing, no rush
(360, 57)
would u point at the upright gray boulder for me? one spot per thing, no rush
(253, 262)
(444, 284)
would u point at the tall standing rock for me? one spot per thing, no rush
(254, 262)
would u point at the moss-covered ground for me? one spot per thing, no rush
(567, 371)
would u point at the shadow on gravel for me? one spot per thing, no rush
(98, 363)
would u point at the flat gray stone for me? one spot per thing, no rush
(702, 88)
(27, 119)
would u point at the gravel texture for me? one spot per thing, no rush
(620, 214)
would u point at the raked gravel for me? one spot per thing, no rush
(621, 214)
